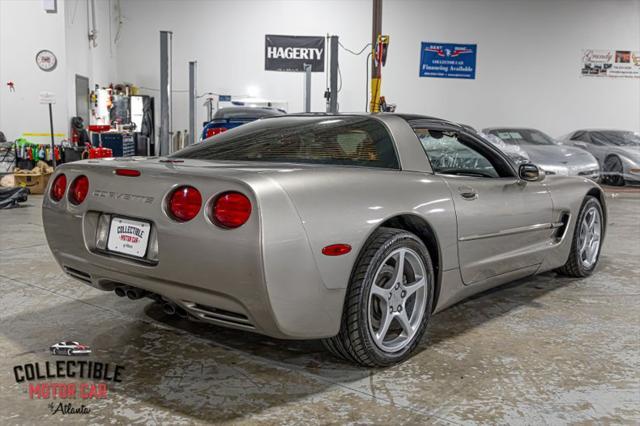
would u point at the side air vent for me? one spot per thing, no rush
(79, 275)
(210, 313)
(562, 230)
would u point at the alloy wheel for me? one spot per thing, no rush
(589, 237)
(397, 300)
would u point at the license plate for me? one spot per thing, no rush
(128, 236)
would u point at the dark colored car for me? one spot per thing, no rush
(228, 118)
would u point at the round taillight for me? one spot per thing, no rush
(58, 187)
(231, 210)
(185, 203)
(78, 190)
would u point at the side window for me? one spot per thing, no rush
(580, 136)
(596, 138)
(448, 155)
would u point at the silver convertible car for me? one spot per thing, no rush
(354, 229)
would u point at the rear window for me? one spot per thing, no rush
(348, 141)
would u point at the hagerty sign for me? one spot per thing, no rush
(291, 53)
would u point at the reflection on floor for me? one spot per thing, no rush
(543, 350)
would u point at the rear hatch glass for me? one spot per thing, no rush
(349, 141)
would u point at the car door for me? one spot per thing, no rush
(504, 223)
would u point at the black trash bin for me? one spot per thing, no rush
(72, 154)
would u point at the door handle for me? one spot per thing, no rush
(468, 193)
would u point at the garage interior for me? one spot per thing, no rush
(546, 349)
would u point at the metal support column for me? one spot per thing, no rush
(166, 41)
(333, 74)
(193, 96)
(307, 87)
(53, 143)
(376, 81)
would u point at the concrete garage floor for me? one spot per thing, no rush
(545, 350)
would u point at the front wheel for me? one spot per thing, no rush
(587, 240)
(388, 302)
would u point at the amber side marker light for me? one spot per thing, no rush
(336, 249)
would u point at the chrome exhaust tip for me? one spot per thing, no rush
(120, 291)
(169, 308)
(135, 293)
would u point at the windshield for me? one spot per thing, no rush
(342, 140)
(517, 154)
(523, 136)
(246, 112)
(616, 137)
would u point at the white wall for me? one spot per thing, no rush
(227, 39)
(25, 29)
(528, 64)
(96, 63)
(528, 70)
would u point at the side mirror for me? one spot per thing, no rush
(579, 144)
(530, 173)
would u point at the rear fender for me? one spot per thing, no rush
(347, 206)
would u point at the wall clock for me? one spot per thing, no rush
(46, 60)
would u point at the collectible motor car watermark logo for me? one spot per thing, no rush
(69, 348)
(67, 382)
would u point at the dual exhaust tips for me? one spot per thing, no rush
(168, 307)
(131, 292)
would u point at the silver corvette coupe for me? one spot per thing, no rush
(618, 151)
(353, 229)
(546, 153)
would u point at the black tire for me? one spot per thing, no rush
(613, 171)
(574, 266)
(69, 352)
(354, 342)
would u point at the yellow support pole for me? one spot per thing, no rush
(374, 103)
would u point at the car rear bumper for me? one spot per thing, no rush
(218, 276)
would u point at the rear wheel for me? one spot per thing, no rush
(613, 172)
(388, 302)
(587, 239)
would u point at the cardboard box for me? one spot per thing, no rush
(36, 182)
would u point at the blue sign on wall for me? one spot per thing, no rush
(448, 60)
